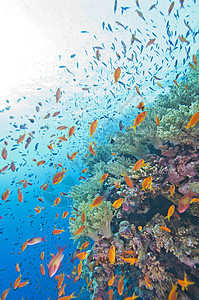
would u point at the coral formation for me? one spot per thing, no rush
(147, 245)
(97, 223)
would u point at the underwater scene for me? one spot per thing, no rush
(99, 164)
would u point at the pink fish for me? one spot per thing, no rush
(36, 240)
(55, 262)
(184, 202)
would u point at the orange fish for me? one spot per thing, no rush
(118, 203)
(193, 121)
(104, 177)
(61, 291)
(139, 119)
(57, 201)
(192, 66)
(176, 83)
(17, 268)
(194, 200)
(59, 176)
(98, 54)
(50, 147)
(183, 40)
(184, 202)
(23, 247)
(6, 194)
(58, 95)
(4, 153)
(131, 260)
(172, 190)
(140, 14)
(57, 231)
(68, 297)
(147, 281)
(5, 293)
(97, 201)
(60, 281)
(185, 283)
(170, 212)
(173, 294)
(20, 196)
(112, 254)
(117, 74)
(93, 127)
(73, 155)
(140, 228)
(84, 246)
(83, 218)
(42, 255)
(146, 184)
(137, 90)
(111, 281)
(128, 180)
(171, 7)
(42, 269)
(110, 293)
(65, 214)
(56, 113)
(62, 127)
(139, 164)
(21, 138)
(79, 268)
(141, 106)
(91, 150)
(128, 251)
(41, 162)
(62, 138)
(71, 131)
(160, 85)
(195, 60)
(84, 170)
(120, 286)
(82, 255)
(22, 284)
(151, 41)
(165, 229)
(17, 282)
(157, 121)
(79, 230)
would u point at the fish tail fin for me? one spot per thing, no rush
(72, 295)
(134, 127)
(44, 239)
(61, 249)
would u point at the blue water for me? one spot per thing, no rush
(104, 100)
